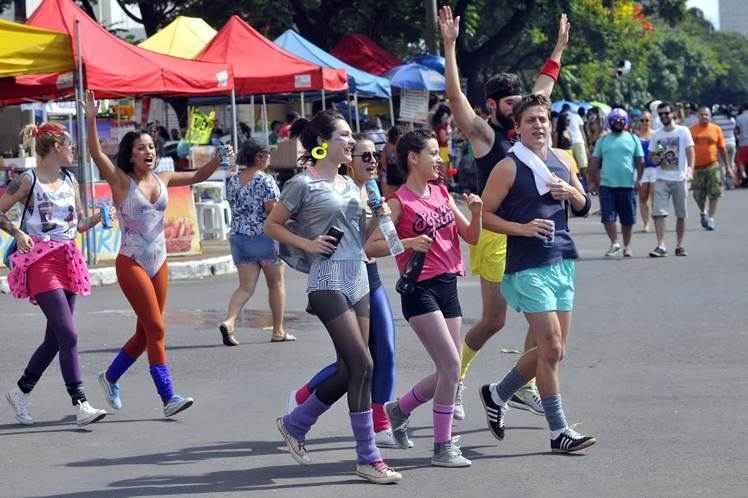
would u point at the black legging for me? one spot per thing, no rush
(348, 327)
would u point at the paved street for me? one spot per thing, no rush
(656, 368)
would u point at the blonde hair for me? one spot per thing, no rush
(44, 137)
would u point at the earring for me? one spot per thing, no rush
(320, 152)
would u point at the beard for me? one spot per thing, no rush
(505, 121)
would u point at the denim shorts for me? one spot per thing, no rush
(616, 203)
(258, 249)
(537, 290)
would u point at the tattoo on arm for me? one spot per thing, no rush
(6, 225)
(15, 185)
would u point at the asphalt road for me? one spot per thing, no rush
(656, 369)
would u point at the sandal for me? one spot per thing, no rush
(283, 338)
(227, 336)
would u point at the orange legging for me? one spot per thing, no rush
(147, 296)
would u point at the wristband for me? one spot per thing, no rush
(551, 69)
(585, 209)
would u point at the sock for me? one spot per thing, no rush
(410, 402)
(554, 414)
(468, 354)
(119, 366)
(304, 416)
(510, 384)
(162, 378)
(303, 394)
(76, 392)
(381, 422)
(443, 422)
(363, 431)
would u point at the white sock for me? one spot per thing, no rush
(495, 395)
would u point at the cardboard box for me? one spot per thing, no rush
(286, 154)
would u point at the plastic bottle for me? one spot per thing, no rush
(385, 222)
(407, 281)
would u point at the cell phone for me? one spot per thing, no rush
(336, 233)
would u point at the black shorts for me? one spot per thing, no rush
(435, 294)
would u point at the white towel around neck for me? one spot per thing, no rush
(540, 171)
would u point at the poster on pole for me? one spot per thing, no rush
(414, 106)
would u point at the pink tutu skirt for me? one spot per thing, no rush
(48, 266)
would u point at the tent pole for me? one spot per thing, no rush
(348, 104)
(265, 120)
(234, 123)
(252, 114)
(87, 197)
(303, 114)
(355, 103)
(324, 107)
(392, 112)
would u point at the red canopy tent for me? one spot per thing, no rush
(113, 67)
(359, 51)
(261, 67)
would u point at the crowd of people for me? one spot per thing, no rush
(533, 169)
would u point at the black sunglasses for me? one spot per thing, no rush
(368, 157)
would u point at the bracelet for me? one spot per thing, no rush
(551, 69)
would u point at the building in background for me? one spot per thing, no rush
(108, 13)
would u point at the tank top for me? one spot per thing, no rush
(500, 148)
(430, 215)
(523, 204)
(52, 214)
(142, 226)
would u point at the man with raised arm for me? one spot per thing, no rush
(491, 141)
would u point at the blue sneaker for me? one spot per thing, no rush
(177, 404)
(111, 392)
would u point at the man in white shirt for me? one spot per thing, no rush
(578, 140)
(741, 133)
(671, 148)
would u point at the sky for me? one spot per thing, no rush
(709, 7)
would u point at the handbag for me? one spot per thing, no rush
(13, 247)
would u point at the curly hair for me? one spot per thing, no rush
(502, 85)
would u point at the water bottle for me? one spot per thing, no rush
(385, 222)
(224, 156)
(106, 217)
(406, 284)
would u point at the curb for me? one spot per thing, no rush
(178, 270)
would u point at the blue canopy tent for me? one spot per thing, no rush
(431, 61)
(416, 77)
(359, 82)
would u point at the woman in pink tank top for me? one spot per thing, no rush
(428, 220)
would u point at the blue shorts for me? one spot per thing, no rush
(618, 202)
(535, 290)
(259, 249)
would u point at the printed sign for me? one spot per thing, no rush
(414, 105)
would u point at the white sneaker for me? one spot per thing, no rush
(290, 403)
(386, 439)
(378, 473)
(614, 251)
(87, 414)
(528, 399)
(459, 413)
(21, 404)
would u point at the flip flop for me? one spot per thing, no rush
(286, 338)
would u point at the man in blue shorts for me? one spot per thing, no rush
(526, 198)
(617, 165)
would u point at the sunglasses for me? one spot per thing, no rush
(368, 157)
(644, 120)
